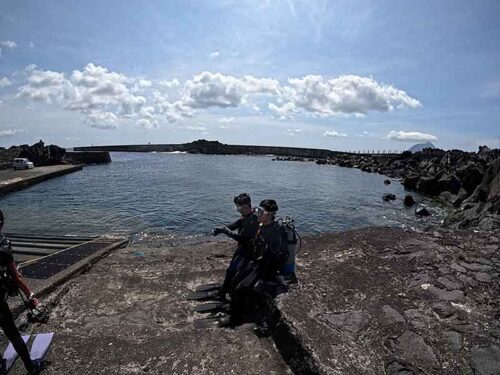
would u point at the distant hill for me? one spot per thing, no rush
(420, 146)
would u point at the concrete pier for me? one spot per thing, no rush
(12, 180)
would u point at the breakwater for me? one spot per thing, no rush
(216, 148)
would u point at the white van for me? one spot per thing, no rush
(22, 163)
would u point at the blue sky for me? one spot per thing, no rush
(342, 75)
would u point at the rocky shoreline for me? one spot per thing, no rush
(369, 301)
(38, 153)
(468, 181)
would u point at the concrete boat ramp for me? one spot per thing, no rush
(13, 180)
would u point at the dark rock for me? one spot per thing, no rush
(351, 321)
(412, 348)
(486, 361)
(443, 309)
(449, 284)
(444, 295)
(483, 277)
(427, 185)
(38, 153)
(389, 316)
(449, 183)
(408, 201)
(387, 182)
(422, 211)
(453, 340)
(410, 182)
(389, 197)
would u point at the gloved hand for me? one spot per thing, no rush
(217, 231)
(33, 302)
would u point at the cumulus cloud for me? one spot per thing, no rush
(12, 132)
(96, 89)
(411, 136)
(217, 90)
(293, 132)
(226, 120)
(7, 44)
(214, 54)
(102, 120)
(4, 82)
(170, 84)
(334, 134)
(347, 94)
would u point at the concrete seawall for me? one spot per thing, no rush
(214, 147)
(11, 180)
(88, 157)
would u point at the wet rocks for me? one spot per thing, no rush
(422, 211)
(445, 295)
(408, 201)
(387, 182)
(389, 197)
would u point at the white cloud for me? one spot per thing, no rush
(96, 89)
(226, 120)
(8, 44)
(293, 132)
(214, 54)
(144, 83)
(32, 45)
(217, 90)
(102, 120)
(411, 136)
(196, 127)
(170, 84)
(347, 94)
(4, 82)
(12, 132)
(334, 134)
(93, 91)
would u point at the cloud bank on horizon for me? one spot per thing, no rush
(340, 75)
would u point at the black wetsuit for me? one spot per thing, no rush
(6, 320)
(252, 294)
(246, 227)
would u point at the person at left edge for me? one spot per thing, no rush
(246, 228)
(10, 280)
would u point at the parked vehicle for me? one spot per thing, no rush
(22, 163)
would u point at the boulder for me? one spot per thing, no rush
(422, 211)
(427, 185)
(408, 201)
(387, 182)
(449, 182)
(389, 197)
(410, 182)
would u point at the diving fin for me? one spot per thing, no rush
(208, 287)
(204, 296)
(212, 322)
(41, 345)
(10, 356)
(211, 307)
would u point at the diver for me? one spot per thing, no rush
(256, 283)
(11, 281)
(246, 227)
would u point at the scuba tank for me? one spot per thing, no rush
(292, 237)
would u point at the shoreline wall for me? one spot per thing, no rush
(217, 148)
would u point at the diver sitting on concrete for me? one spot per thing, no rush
(11, 281)
(246, 227)
(255, 285)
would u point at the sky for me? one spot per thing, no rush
(341, 75)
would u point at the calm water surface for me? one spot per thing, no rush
(188, 195)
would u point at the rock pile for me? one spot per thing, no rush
(38, 153)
